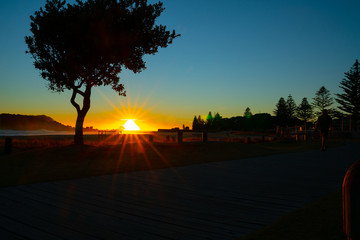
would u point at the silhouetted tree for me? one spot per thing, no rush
(198, 123)
(217, 116)
(87, 44)
(304, 111)
(217, 121)
(323, 100)
(281, 112)
(200, 120)
(247, 113)
(257, 121)
(262, 121)
(350, 100)
(195, 123)
(291, 105)
(209, 119)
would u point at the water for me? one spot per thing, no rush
(11, 133)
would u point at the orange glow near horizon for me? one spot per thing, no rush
(114, 118)
(114, 113)
(128, 109)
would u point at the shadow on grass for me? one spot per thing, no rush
(71, 162)
(320, 220)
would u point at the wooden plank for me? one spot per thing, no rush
(58, 221)
(178, 200)
(24, 229)
(100, 224)
(142, 217)
(8, 235)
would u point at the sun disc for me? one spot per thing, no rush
(130, 125)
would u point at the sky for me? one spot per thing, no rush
(232, 54)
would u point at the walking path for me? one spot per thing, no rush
(221, 200)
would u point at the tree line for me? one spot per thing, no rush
(348, 100)
(259, 121)
(288, 113)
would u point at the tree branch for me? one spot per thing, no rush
(80, 85)
(72, 100)
(80, 92)
(86, 100)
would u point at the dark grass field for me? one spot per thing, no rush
(54, 158)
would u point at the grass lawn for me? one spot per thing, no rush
(70, 162)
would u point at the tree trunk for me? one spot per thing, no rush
(79, 136)
(81, 113)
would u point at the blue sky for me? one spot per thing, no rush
(231, 55)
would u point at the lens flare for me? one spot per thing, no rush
(130, 125)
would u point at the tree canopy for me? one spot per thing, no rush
(248, 113)
(304, 111)
(90, 43)
(281, 112)
(86, 44)
(323, 100)
(349, 100)
(291, 106)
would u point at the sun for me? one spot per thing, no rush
(130, 125)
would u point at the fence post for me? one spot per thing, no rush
(8, 145)
(204, 138)
(180, 136)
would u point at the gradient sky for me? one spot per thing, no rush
(232, 54)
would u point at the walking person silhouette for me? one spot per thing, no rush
(324, 123)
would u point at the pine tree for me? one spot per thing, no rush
(322, 101)
(248, 113)
(195, 123)
(291, 106)
(350, 100)
(217, 116)
(281, 112)
(304, 111)
(217, 121)
(201, 122)
(209, 119)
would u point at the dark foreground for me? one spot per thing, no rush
(218, 200)
(48, 160)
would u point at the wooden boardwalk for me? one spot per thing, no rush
(221, 200)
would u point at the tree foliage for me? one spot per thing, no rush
(349, 100)
(248, 113)
(195, 123)
(304, 111)
(291, 107)
(209, 119)
(281, 112)
(260, 121)
(322, 101)
(87, 44)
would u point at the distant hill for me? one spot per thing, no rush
(30, 122)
